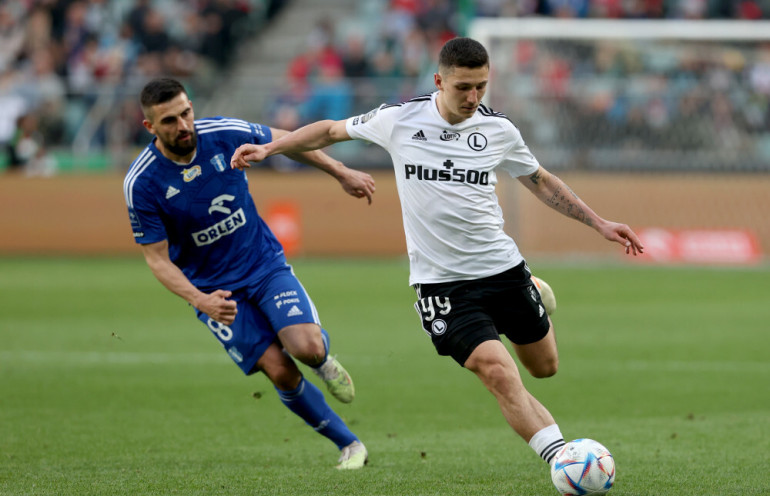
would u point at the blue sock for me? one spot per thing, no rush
(327, 341)
(325, 338)
(308, 402)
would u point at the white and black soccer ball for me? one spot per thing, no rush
(546, 294)
(583, 467)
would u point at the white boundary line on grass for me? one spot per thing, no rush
(68, 358)
(695, 366)
(59, 358)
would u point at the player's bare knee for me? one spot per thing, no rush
(496, 376)
(305, 343)
(544, 369)
(311, 352)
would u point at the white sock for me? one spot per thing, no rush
(547, 441)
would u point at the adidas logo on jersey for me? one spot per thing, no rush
(171, 191)
(294, 311)
(419, 136)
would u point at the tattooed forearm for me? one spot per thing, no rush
(557, 195)
(566, 201)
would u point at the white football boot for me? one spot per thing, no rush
(354, 456)
(546, 294)
(337, 379)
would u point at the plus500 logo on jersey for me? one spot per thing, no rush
(446, 175)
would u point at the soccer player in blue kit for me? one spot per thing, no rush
(203, 240)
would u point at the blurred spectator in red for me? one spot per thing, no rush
(749, 10)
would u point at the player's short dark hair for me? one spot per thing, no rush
(462, 52)
(160, 90)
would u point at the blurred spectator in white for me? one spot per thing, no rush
(46, 93)
(688, 9)
(11, 35)
(12, 104)
(26, 149)
(97, 16)
(759, 73)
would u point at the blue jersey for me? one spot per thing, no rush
(204, 208)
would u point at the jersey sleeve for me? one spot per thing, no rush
(375, 126)
(518, 160)
(260, 134)
(145, 220)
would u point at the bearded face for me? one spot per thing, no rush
(173, 125)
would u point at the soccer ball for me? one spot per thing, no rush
(581, 467)
(546, 294)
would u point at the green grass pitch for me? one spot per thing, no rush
(110, 386)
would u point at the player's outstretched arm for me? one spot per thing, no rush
(307, 138)
(355, 183)
(215, 305)
(556, 194)
(303, 146)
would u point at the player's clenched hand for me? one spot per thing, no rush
(217, 306)
(247, 153)
(358, 184)
(624, 235)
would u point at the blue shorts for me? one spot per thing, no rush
(264, 308)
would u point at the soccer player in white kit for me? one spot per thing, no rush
(471, 281)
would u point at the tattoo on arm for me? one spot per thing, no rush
(563, 199)
(536, 177)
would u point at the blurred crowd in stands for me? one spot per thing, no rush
(656, 104)
(571, 96)
(58, 57)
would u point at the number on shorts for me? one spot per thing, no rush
(222, 331)
(428, 310)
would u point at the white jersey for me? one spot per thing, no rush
(446, 177)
